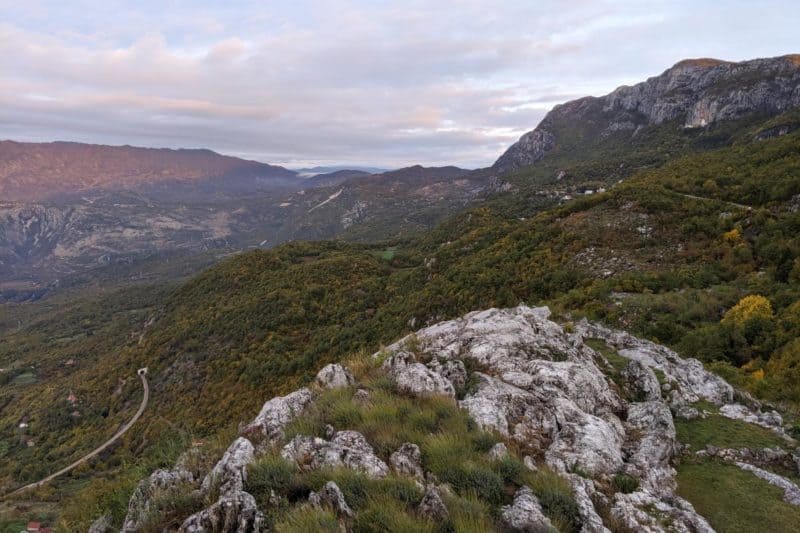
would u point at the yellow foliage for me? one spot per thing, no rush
(758, 375)
(733, 236)
(748, 308)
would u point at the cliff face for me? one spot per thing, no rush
(696, 93)
(584, 439)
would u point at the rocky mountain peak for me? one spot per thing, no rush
(695, 93)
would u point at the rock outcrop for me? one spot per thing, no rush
(694, 93)
(331, 496)
(237, 513)
(541, 387)
(334, 376)
(278, 412)
(525, 514)
(347, 449)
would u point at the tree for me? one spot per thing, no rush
(749, 308)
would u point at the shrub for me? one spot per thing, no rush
(625, 483)
(269, 473)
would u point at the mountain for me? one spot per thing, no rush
(43, 244)
(315, 171)
(661, 391)
(694, 93)
(31, 172)
(334, 178)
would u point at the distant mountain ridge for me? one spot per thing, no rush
(693, 93)
(46, 171)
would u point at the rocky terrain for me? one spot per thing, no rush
(42, 243)
(603, 421)
(694, 93)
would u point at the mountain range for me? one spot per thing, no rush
(395, 325)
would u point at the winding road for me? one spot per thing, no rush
(142, 372)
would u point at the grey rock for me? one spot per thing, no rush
(498, 451)
(432, 506)
(236, 513)
(348, 449)
(160, 482)
(277, 413)
(407, 460)
(791, 492)
(770, 420)
(642, 511)
(331, 496)
(453, 371)
(229, 475)
(696, 93)
(650, 453)
(334, 376)
(525, 513)
(415, 378)
(641, 381)
(693, 382)
(361, 396)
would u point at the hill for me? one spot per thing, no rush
(33, 172)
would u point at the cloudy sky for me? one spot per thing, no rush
(361, 82)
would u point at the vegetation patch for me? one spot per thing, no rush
(723, 432)
(735, 501)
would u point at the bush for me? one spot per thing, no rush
(624, 483)
(384, 515)
(269, 473)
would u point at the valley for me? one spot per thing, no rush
(658, 224)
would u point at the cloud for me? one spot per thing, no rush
(385, 83)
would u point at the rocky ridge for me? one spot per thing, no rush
(538, 385)
(697, 93)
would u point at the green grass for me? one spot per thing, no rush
(304, 519)
(26, 378)
(725, 433)
(735, 501)
(453, 448)
(387, 254)
(616, 360)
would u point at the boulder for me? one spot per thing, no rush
(331, 496)
(432, 506)
(415, 378)
(236, 513)
(525, 513)
(641, 382)
(160, 482)
(277, 413)
(498, 451)
(334, 376)
(347, 449)
(230, 473)
(407, 461)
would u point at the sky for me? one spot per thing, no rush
(368, 82)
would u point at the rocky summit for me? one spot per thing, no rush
(576, 424)
(694, 93)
